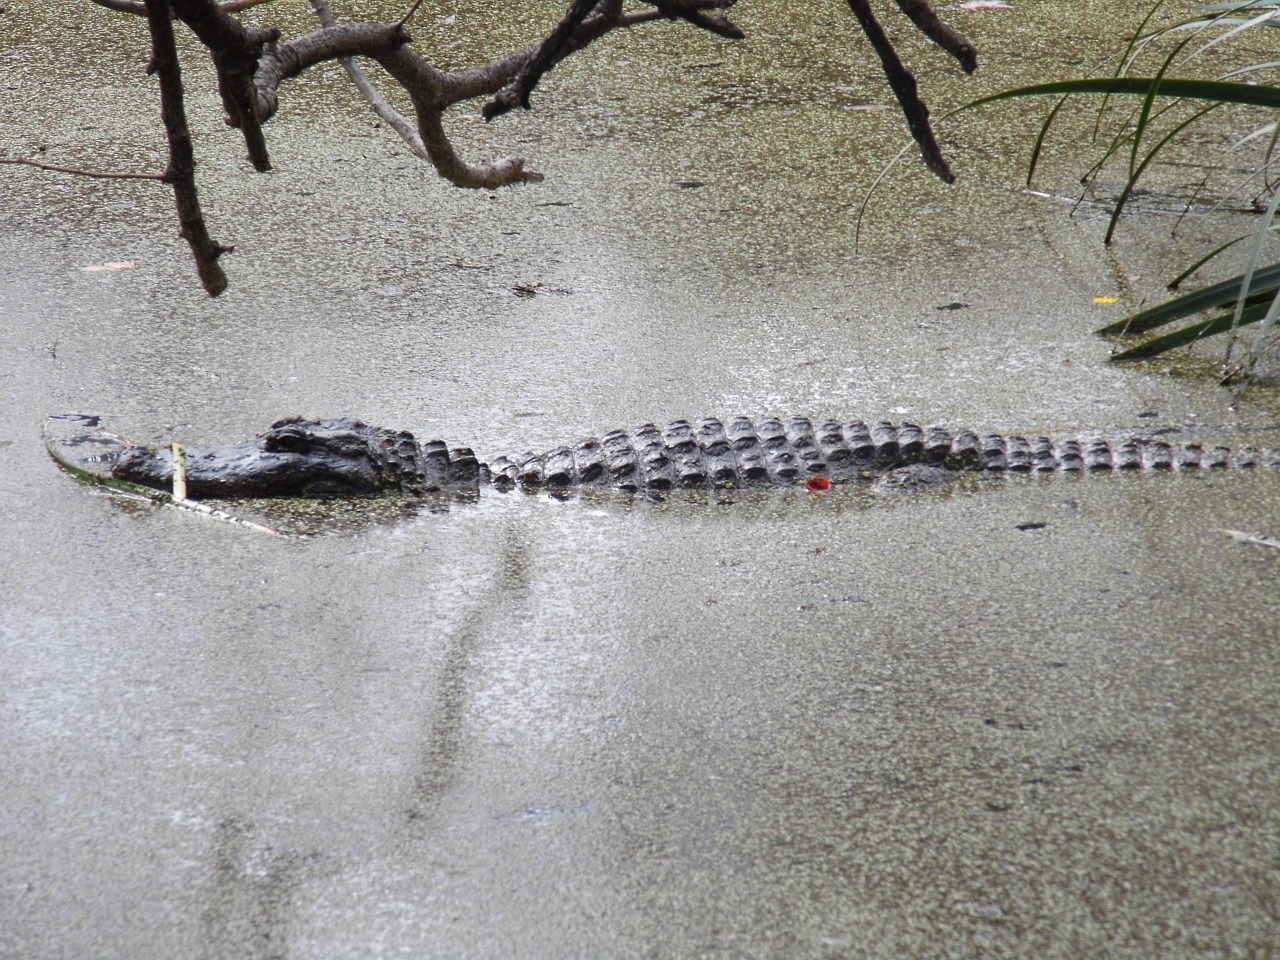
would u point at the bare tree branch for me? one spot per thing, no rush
(181, 174)
(560, 43)
(381, 106)
(432, 92)
(904, 88)
(488, 79)
(139, 7)
(85, 173)
(236, 50)
(548, 52)
(701, 14)
(252, 66)
(940, 32)
(426, 87)
(488, 174)
(408, 14)
(287, 60)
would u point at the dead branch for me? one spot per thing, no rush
(139, 7)
(181, 174)
(904, 88)
(253, 64)
(408, 14)
(486, 80)
(487, 174)
(560, 42)
(703, 14)
(433, 92)
(84, 173)
(236, 50)
(941, 32)
(337, 42)
(518, 91)
(381, 106)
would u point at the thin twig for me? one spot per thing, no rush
(405, 19)
(83, 173)
(381, 106)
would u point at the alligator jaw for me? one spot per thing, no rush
(307, 458)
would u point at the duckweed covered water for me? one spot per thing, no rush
(791, 725)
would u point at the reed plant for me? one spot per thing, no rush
(1154, 103)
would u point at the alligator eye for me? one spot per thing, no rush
(286, 440)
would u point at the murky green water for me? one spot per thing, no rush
(796, 726)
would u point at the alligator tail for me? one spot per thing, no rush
(770, 451)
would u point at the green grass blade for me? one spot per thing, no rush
(1237, 24)
(1131, 51)
(1265, 281)
(1239, 5)
(1256, 95)
(1144, 116)
(1118, 142)
(1176, 282)
(1044, 132)
(1136, 175)
(1187, 335)
(1260, 238)
(1268, 324)
(1240, 22)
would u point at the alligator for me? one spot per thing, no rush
(298, 457)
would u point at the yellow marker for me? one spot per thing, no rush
(1106, 299)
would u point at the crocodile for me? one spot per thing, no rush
(298, 457)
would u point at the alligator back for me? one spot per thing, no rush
(772, 451)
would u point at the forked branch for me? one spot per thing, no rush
(561, 41)
(253, 65)
(903, 83)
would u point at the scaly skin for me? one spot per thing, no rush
(298, 457)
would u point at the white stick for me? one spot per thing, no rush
(179, 472)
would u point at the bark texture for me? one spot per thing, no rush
(253, 65)
(181, 173)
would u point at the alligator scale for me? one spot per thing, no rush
(325, 458)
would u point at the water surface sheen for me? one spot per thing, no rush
(1034, 718)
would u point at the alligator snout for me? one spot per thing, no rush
(279, 464)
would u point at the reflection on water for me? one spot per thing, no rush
(250, 894)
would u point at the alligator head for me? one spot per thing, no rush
(295, 458)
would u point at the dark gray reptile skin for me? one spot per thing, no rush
(298, 457)
(772, 451)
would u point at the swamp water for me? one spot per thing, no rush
(791, 726)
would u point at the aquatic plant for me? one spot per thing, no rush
(1171, 101)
